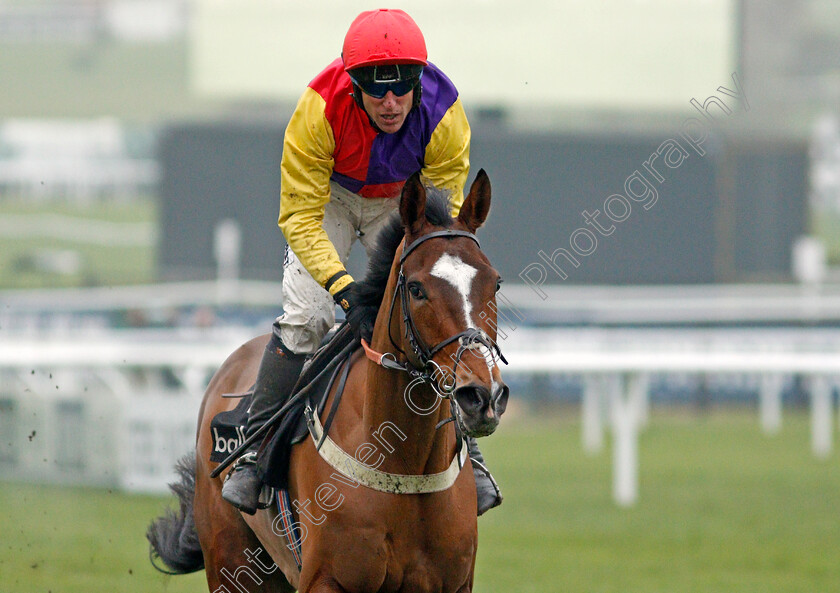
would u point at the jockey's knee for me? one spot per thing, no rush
(303, 336)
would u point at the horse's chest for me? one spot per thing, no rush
(413, 562)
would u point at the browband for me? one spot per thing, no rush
(444, 233)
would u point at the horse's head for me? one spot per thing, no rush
(448, 296)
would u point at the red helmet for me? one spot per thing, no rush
(383, 37)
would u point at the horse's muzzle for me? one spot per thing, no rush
(481, 409)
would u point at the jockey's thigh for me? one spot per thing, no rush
(308, 309)
(375, 214)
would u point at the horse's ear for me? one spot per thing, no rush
(476, 205)
(413, 204)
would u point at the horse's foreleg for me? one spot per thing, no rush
(324, 585)
(467, 587)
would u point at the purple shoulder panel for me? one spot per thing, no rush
(395, 157)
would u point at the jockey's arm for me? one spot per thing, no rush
(305, 170)
(447, 158)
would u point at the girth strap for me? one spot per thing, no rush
(376, 479)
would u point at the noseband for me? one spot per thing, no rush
(469, 339)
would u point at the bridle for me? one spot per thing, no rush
(422, 364)
(422, 368)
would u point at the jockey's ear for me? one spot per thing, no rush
(413, 205)
(476, 205)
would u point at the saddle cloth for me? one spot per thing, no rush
(227, 429)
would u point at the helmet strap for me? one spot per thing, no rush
(357, 96)
(418, 93)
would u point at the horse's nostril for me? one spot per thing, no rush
(471, 393)
(473, 397)
(501, 399)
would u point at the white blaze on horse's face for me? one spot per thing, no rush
(452, 269)
(460, 275)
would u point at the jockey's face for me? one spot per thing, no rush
(389, 112)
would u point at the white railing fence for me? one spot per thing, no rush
(120, 410)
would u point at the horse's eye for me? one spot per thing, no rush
(416, 291)
(499, 284)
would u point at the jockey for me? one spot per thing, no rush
(363, 126)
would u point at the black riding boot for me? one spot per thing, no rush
(488, 492)
(278, 373)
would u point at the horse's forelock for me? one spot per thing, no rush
(438, 210)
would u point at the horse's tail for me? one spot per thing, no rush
(173, 537)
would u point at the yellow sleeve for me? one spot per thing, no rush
(305, 170)
(448, 154)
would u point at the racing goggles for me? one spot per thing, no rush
(376, 81)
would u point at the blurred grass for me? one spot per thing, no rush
(75, 539)
(100, 264)
(722, 508)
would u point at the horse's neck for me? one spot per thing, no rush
(403, 416)
(406, 412)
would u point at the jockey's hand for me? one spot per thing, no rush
(360, 316)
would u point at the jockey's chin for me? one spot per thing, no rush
(389, 112)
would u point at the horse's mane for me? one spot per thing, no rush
(372, 288)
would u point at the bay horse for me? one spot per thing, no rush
(436, 294)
